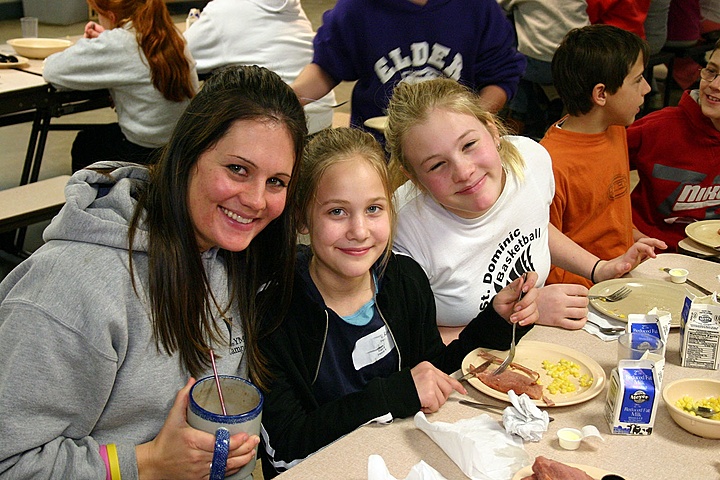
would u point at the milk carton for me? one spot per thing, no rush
(700, 333)
(193, 16)
(633, 396)
(655, 323)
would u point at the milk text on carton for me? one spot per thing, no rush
(633, 397)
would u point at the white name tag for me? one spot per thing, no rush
(372, 348)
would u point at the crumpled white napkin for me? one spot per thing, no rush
(377, 470)
(478, 445)
(524, 418)
(603, 322)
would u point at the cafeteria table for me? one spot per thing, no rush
(26, 97)
(669, 453)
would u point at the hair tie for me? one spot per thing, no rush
(592, 273)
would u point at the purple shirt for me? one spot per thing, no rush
(382, 42)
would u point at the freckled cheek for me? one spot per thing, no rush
(196, 203)
(382, 230)
(206, 190)
(437, 188)
(276, 204)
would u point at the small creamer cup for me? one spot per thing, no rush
(678, 275)
(243, 403)
(569, 438)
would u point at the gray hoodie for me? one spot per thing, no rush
(114, 61)
(79, 366)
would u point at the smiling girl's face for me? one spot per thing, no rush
(349, 221)
(455, 158)
(238, 186)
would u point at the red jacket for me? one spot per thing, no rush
(676, 151)
(626, 14)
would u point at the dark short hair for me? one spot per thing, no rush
(591, 55)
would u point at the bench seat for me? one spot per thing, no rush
(32, 203)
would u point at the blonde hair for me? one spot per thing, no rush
(330, 147)
(412, 104)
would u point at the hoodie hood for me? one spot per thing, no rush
(99, 207)
(277, 5)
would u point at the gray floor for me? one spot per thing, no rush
(56, 159)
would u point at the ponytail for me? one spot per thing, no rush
(159, 40)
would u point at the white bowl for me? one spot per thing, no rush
(38, 47)
(697, 389)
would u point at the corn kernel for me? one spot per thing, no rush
(688, 404)
(561, 374)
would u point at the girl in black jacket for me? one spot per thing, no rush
(360, 342)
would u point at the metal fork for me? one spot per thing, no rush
(617, 295)
(494, 408)
(608, 330)
(511, 354)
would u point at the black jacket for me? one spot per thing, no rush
(295, 425)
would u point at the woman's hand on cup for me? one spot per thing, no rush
(242, 450)
(180, 451)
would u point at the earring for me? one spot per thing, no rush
(498, 147)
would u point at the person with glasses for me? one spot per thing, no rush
(676, 152)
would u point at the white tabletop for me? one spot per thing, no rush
(12, 80)
(33, 65)
(668, 453)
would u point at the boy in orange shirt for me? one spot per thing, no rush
(598, 72)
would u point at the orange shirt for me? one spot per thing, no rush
(592, 193)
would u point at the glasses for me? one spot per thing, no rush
(708, 74)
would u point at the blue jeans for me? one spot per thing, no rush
(526, 99)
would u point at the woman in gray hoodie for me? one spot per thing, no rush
(145, 270)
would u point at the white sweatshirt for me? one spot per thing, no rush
(275, 34)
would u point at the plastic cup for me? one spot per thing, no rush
(632, 346)
(29, 26)
(678, 275)
(570, 438)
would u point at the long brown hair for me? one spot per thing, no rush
(159, 40)
(179, 291)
